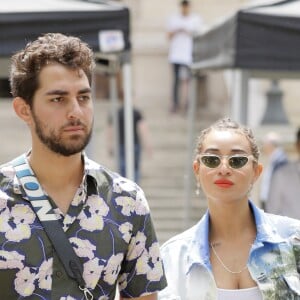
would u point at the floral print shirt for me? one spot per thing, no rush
(110, 230)
(274, 260)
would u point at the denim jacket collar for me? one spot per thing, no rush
(199, 253)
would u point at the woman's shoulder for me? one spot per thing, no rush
(285, 226)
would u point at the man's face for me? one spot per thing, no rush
(62, 111)
(185, 9)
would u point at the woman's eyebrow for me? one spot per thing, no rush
(211, 150)
(217, 150)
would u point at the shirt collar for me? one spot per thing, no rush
(199, 253)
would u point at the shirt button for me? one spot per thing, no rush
(59, 274)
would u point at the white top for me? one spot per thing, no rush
(244, 294)
(181, 44)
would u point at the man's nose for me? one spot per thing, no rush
(74, 109)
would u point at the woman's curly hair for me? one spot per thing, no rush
(228, 124)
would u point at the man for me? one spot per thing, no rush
(285, 188)
(276, 159)
(104, 216)
(181, 28)
(140, 138)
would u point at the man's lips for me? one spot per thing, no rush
(74, 128)
(223, 183)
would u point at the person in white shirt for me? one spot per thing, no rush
(181, 28)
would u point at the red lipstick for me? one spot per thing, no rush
(224, 183)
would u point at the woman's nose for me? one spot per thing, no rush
(224, 167)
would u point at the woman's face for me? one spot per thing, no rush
(223, 183)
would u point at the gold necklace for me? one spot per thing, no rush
(223, 265)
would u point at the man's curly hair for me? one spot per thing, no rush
(52, 47)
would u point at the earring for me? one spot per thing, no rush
(198, 189)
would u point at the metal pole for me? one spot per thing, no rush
(114, 114)
(89, 149)
(190, 148)
(240, 96)
(128, 120)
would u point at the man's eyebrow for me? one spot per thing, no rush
(62, 92)
(56, 92)
(85, 90)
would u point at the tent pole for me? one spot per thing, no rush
(114, 114)
(239, 109)
(190, 148)
(90, 147)
(128, 120)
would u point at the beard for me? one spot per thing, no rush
(56, 143)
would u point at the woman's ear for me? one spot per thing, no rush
(22, 109)
(258, 170)
(196, 167)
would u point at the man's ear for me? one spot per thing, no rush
(22, 109)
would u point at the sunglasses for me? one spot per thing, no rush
(235, 161)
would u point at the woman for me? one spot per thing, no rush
(236, 251)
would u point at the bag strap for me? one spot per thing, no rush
(33, 192)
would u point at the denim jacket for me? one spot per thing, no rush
(274, 260)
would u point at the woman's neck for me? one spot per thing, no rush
(231, 221)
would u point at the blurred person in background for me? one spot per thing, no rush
(181, 28)
(285, 188)
(55, 188)
(141, 140)
(236, 251)
(276, 158)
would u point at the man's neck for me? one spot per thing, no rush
(54, 170)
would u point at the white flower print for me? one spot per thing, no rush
(126, 230)
(8, 171)
(45, 273)
(156, 268)
(83, 248)
(24, 282)
(68, 221)
(121, 184)
(136, 246)
(11, 260)
(3, 200)
(142, 266)
(142, 207)
(67, 298)
(4, 218)
(92, 272)
(112, 268)
(123, 281)
(97, 209)
(22, 216)
(127, 203)
(149, 263)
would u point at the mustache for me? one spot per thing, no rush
(74, 123)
